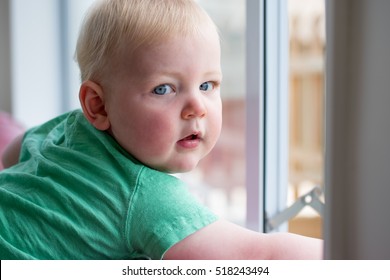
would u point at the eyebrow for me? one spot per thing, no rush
(214, 75)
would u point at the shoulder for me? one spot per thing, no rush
(163, 212)
(161, 188)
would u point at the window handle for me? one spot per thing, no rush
(311, 199)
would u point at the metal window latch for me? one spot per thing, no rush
(311, 199)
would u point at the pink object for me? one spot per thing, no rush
(9, 129)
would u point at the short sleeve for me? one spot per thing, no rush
(163, 212)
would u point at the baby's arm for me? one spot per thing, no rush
(12, 151)
(225, 240)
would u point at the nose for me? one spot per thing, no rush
(194, 106)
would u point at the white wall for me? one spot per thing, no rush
(357, 172)
(36, 73)
(45, 78)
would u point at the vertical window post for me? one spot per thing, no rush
(255, 114)
(267, 110)
(276, 108)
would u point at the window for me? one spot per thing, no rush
(306, 109)
(274, 70)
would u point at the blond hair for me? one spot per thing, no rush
(109, 24)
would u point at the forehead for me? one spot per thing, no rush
(196, 49)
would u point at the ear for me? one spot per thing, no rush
(93, 104)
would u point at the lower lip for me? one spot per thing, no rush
(189, 143)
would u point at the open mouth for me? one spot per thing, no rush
(191, 137)
(191, 141)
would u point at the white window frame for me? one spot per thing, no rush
(277, 108)
(267, 111)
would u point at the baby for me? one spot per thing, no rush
(95, 184)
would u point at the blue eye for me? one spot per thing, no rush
(163, 89)
(206, 86)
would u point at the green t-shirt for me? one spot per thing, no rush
(76, 194)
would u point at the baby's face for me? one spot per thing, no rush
(164, 103)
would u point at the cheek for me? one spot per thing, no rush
(216, 122)
(152, 135)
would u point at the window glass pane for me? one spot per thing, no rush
(219, 180)
(307, 45)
